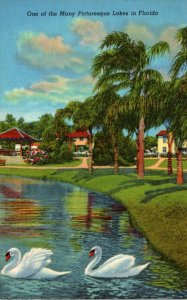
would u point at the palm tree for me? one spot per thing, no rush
(178, 73)
(125, 64)
(179, 121)
(104, 100)
(55, 129)
(179, 63)
(165, 115)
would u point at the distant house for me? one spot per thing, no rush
(79, 138)
(33, 146)
(162, 143)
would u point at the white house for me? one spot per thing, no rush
(162, 143)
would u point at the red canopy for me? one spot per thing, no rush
(16, 135)
(79, 134)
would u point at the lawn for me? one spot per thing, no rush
(150, 161)
(174, 163)
(157, 206)
(73, 163)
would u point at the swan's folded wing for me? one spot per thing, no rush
(33, 261)
(118, 263)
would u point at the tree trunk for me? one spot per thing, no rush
(140, 152)
(137, 154)
(90, 167)
(21, 149)
(180, 178)
(70, 145)
(116, 158)
(170, 142)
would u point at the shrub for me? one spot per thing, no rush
(36, 157)
(61, 154)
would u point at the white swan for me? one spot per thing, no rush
(31, 266)
(118, 266)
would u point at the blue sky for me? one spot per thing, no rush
(45, 60)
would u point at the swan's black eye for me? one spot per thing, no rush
(92, 252)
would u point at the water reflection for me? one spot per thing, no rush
(69, 221)
(85, 212)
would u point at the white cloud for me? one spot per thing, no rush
(91, 32)
(168, 35)
(139, 32)
(41, 51)
(56, 89)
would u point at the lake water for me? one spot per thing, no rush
(70, 220)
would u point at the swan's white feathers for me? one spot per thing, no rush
(33, 261)
(118, 266)
(31, 266)
(119, 263)
(133, 271)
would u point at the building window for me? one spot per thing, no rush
(81, 139)
(164, 149)
(165, 139)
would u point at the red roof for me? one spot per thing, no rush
(16, 134)
(79, 134)
(162, 133)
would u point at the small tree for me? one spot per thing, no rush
(87, 118)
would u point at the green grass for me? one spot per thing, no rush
(73, 163)
(150, 162)
(158, 207)
(174, 164)
(39, 173)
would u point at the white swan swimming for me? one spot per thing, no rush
(118, 266)
(31, 266)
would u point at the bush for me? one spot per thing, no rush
(61, 154)
(36, 157)
(57, 153)
(103, 152)
(102, 158)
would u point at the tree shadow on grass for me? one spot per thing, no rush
(160, 181)
(126, 185)
(83, 174)
(150, 195)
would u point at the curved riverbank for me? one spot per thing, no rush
(158, 207)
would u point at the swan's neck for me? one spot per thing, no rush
(13, 263)
(93, 263)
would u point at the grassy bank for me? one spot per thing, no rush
(157, 205)
(174, 163)
(73, 163)
(150, 162)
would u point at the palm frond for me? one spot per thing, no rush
(153, 75)
(115, 39)
(158, 49)
(181, 36)
(107, 79)
(102, 62)
(179, 64)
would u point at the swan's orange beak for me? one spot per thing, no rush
(92, 252)
(7, 256)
